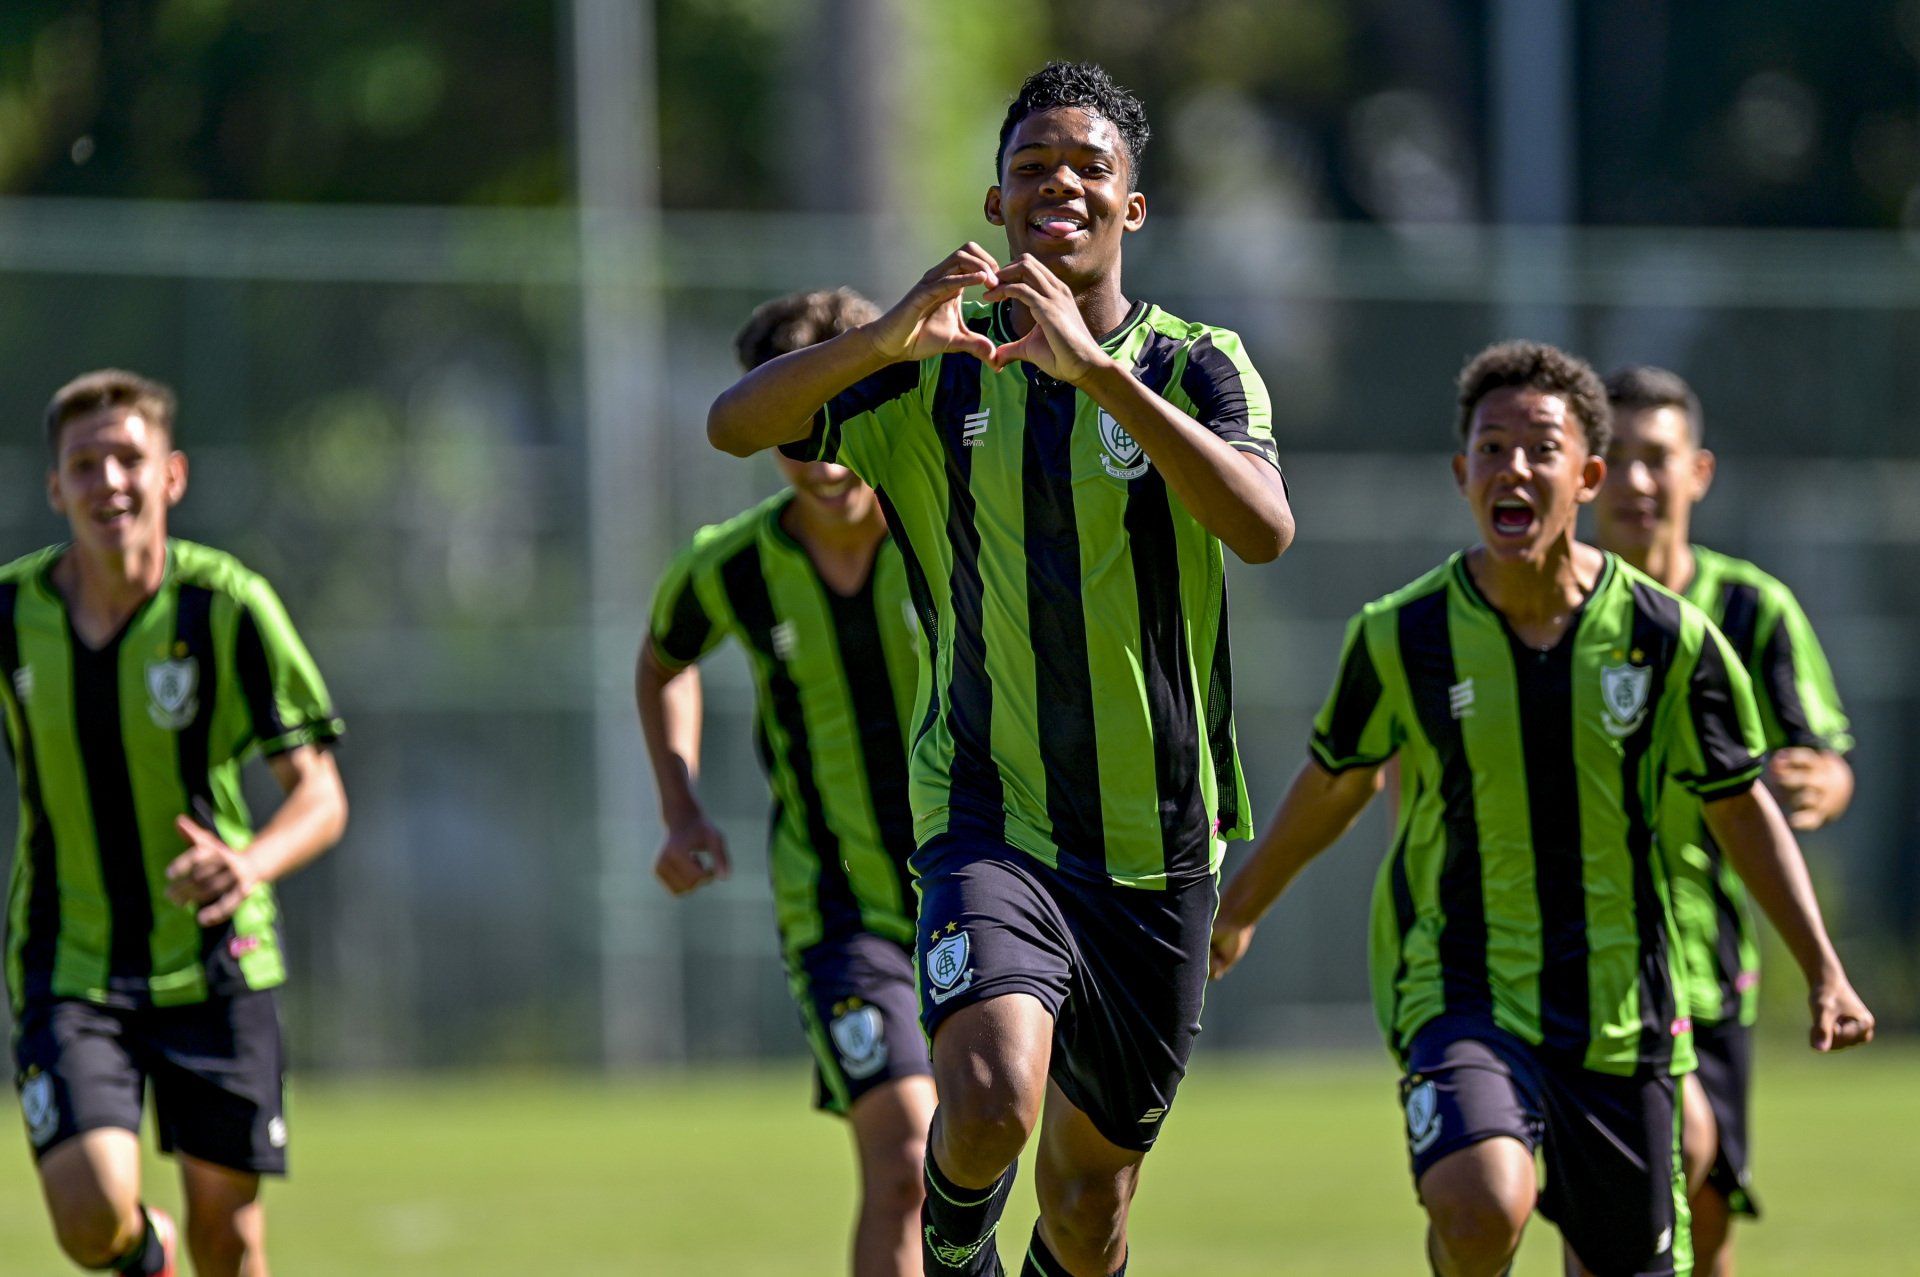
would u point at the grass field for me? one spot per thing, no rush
(1285, 1165)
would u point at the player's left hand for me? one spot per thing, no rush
(209, 873)
(1228, 946)
(1814, 786)
(1058, 344)
(1840, 1018)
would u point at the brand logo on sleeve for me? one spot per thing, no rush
(23, 684)
(1623, 689)
(786, 640)
(1123, 458)
(171, 685)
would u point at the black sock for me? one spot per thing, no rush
(957, 1224)
(1041, 1263)
(147, 1257)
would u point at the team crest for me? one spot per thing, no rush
(36, 1102)
(1624, 688)
(1423, 1117)
(170, 692)
(1123, 457)
(947, 966)
(857, 1035)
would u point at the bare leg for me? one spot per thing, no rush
(92, 1187)
(1712, 1216)
(226, 1222)
(890, 1138)
(1086, 1186)
(1478, 1202)
(990, 1063)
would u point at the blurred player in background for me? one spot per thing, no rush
(143, 944)
(815, 590)
(1656, 471)
(1061, 466)
(1543, 698)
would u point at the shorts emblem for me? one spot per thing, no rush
(947, 966)
(36, 1102)
(858, 1036)
(1423, 1117)
(277, 1132)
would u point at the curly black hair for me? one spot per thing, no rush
(1087, 86)
(798, 320)
(1544, 368)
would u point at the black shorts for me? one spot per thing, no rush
(1122, 970)
(856, 1002)
(216, 1067)
(1726, 1075)
(1615, 1185)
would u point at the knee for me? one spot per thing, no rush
(1478, 1229)
(95, 1235)
(980, 1131)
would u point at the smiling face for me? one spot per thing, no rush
(834, 493)
(114, 477)
(1063, 194)
(1526, 472)
(1655, 473)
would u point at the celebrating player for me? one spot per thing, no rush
(139, 673)
(1061, 467)
(1543, 697)
(1656, 471)
(815, 590)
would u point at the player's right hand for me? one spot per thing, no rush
(1228, 946)
(1840, 1018)
(928, 320)
(694, 854)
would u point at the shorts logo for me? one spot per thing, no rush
(1624, 689)
(1423, 1117)
(170, 692)
(858, 1036)
(1123, 458)
(1665, 1242)
(277, 1132)
(947, 965)
(36, 1102)
(1153, 1115)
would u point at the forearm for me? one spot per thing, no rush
(1754, 836)
(671, 712)
(775, 403)
(308, 822)
(1319, 807)
(1238, 498)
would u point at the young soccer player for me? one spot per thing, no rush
(1061, 466)
(139, 673)
(1656, 471)
(1542, 697)
(815, 590)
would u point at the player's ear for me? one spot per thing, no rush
(53, 489)
(1460, 472)
(994, 215)
(1136, 210)
(176, 477)
(1703, 471)
(1593, 473)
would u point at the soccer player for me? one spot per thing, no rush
(815, 590)
(1656, 471)
(1061, 466)
(137, 673)
(1542, 697)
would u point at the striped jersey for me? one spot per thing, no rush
(1773, 640)
(110, 745)
(1525, 884)
(834, 677)
(1080, 704)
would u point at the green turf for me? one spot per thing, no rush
(1290, 1165)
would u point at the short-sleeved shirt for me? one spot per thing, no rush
(1773, 640)
(835, 678)
(110, 745)
(1081, 705)
(1525, 884)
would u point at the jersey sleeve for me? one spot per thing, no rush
(1355, 726)
(682, 628)
(1720, 747)
(287, 701)
(1799, 704)
(1228, 396)
(858, 426)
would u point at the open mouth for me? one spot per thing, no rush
(1058, 225)
(1512, 518)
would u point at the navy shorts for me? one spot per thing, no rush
(1122, 970)
(216, 1067)
(855, 995)
(1726, 1075)
(1615, 1186)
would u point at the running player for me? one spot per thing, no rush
(139, 673)
(1656, 471)
(1542, 697)
(815, 590)
(1061, 466)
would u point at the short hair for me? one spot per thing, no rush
(1548, 369)
(1643, 388)
(1088, 86)
(106, 388)
(799, 320)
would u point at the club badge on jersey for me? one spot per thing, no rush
(1624, 689)
(170, 692)
(1124, 457)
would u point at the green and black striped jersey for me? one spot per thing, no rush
(1525, 883)
(835, 678)
(1080, 706)
(1773, 640)
(110, 745)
